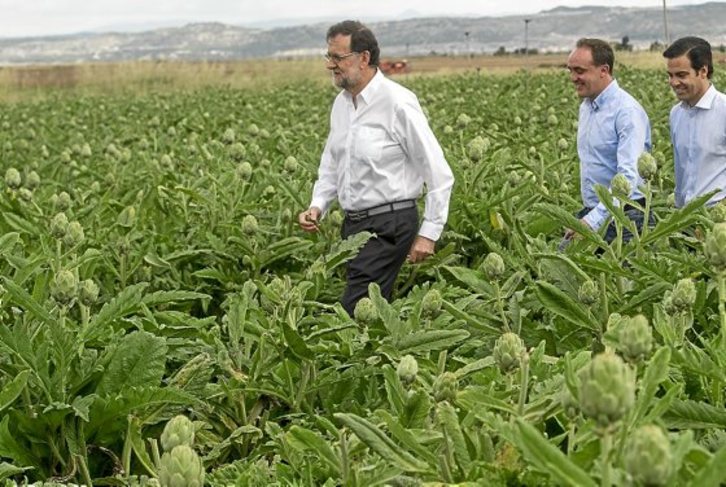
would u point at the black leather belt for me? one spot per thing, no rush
(380, 209)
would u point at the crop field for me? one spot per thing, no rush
(152, 268)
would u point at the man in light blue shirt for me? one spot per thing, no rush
(698, 122)
(613, 131)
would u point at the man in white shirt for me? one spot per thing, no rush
(697, 123)
(379, 154)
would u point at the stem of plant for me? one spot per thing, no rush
(500, 307)
(524, 386)
(344, 460)
(605, 446)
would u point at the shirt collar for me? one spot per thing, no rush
(604, 96)
(706, 101)
(369, 90)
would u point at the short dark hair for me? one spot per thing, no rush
(698, 51)
(361, 38)
(602, 52)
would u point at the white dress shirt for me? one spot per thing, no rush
(699, 147)
(383, 151)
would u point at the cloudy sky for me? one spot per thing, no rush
(22, 18)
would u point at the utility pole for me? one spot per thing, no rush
(526, 39)
(665, 23)
(466, 34)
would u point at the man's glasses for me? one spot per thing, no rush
(336, 58)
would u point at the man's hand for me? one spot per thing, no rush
(570, 234)
(308, 219)
(421, 249)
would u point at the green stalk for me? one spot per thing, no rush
(605, 447)
(126, 454)
(500, 306)
(84, 471)
(344, 460)
(722, 305)
(524, 386)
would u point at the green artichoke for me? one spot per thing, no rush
(75, 234)
(290, 165)
(407, 369)
(178, 431)
(88, 292)
(635, 340)
(244, 170)
(648, 457)
(249, 225)
(432, 302)
(477, 147)
(647, 166)
(181, 467)
(715, 247)
(32, 180)
(59, 226)
(493, 266)
(718, 213)
(682, 298)
(620, 186)
(12, 178)
(445, 387)
(365, 311)
(64, 287)
(463, 120)
(607, 390)
(237, 151)
(508, 351)
(588, 293)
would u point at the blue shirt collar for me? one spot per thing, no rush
(706, 101)
(605, 95)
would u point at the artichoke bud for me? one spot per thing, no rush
(12, 178)
(253, 129)
(88, 292)
(365, 311)
(683, 296)
(569, 404)
(620, 186)
(86, 150)
(588, 293)
(63, 202)
(181, 467)
(228, 137)
(463, 120)
(715, 247)
(718, 213)
(178, 431)
(25, 194)
(249, 225)
(244, 171)
(432, 302)
(552, 120)
(59, 226)
(290, 164)
(166, 161)
(607, 389)
(493, 266)
(64, 287)
(445, 387)
(75, 234)
(648, 456)
(269, 191)
(407, 369)
(237, 151)
(477, 147)
(508, 352)
(635, 340)
(562, 144)
(32, 180)
(127, 217)
(647, 166)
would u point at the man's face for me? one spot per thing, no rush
(589, 80)
(344, 65)
(688, 84)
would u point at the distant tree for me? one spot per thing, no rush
(624, 45)
(501, 51)
(656, 46)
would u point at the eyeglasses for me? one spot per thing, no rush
(336, 58)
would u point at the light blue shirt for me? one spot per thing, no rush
(699, 147)
(612, 132)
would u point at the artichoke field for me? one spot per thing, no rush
(164, 321)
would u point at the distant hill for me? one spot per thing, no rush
(552, 30)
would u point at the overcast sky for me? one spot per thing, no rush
(20, 18)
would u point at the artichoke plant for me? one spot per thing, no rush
(178, 431)
(493, 266)
(407, 369)
(508, 351)
(432, 302)
(715, 247)
(648, 456)
(445, 387)
(181, 467)
(365, 311)
(607, 390)
(647, 166)
(635, 339)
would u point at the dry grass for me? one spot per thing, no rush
(22, 83)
